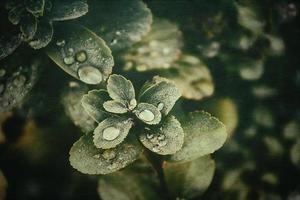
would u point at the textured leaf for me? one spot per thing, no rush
(71, 99)
(191, 179)
(161, 93)
(43, 35)
(28, 26)
(158, 49)
(36, 7)
(66, 10)
(115, 107)
(81, 53)
(18, 74)
(134, 185)
(93, 104)
(167, 139)
(191, 76)
(120, 89)
(204, 134)
(111, 132)
(120, 23)
(88, 159)
(148, 113)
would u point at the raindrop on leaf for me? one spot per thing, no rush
(90, 75)
(111, 133)
(146, 115)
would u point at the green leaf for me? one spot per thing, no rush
(128, 184)
(191, 76)
(160, 92)
(191, 179)
(120, 89)
(157, 50)
(93, 104)
(111, 132)
(148, 113)
(28, 26)
(66, 10)
(36, 7)
(167, 139)
(115, 107)
(71, 99)
(88, 159)
(204, 134)
(121, 23)
(43, 35)
(81, 53)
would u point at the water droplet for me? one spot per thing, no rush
(81, 56)
(111, 133)
(162, 143)
(60, 43)
(150, 135)
(132, 104)
(161, 137)
(69, 60)
(19, 80)
(2, 72)
(90, 75)
(96, 156)
(109, 154)
(146, 115)
(160, 106)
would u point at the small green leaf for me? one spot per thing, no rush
(43, 35)
(88, 159)
(81, 53)
(167, 139)
(93, 104)
(71, 99)
(204, 134)
(128, 184)
(28, 26)
(157, 50)
(66, 10)
(161, 92)
(36, 7)
(148, 113)
(111, 132)
(120, 89)
(115, 107)
(121, 23)
(191, 76)
(191, 179)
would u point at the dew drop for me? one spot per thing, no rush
(19, 80)
(146, 115)
(60, 43)
(111, 133)
(81, 56)
(149, 135)
(132, 104)
(90, 75)
(162, 143)
(96, 156)
(69, 60)
(160, 106)
(109, 154)
(2, 72)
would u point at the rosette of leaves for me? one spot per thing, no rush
(122, 119)
(35, 17)
(17, 78)
(157, 50)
